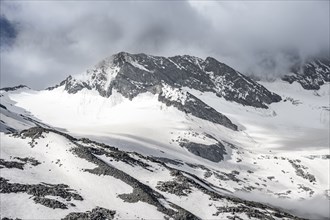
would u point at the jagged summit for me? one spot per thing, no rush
(312, 74)
(7, 89)
(132, 74)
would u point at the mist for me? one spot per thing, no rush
(45, 41)
(317, 207)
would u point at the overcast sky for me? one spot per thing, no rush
(42, 42)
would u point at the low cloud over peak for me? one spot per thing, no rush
(55, 39)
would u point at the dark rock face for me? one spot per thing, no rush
(138, 73)
(97, 213)
(199, 109)
(213, 152)
(311, 75)
(234, 86)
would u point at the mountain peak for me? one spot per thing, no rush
(311, 74)
(132, 74)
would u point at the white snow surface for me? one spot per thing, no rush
(295, 129)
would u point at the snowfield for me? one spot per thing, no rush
(263, 154)
(147, 137)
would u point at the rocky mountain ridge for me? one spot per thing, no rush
(132, 74)
(311, 75)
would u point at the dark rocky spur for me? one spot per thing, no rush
(199, 109)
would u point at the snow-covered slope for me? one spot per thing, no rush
(14, 118)
(171, 149)
(58, 176)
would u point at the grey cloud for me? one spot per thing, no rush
(58, 38)
(8, 33)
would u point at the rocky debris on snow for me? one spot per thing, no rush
(29, 160)
(11, 164)
(306, 189)
(196, 166)
(50, 203)
(18, 165)
(324, 157)
(301, 171)
(90, 151)
(188, 179)
(284, 194)
(227, 176)
(270, 177)
(248, 207)
(174, 187)
(39, 191)
(292, 100)
(33, 133)
(97, 213)
(169, 161)
(141, 192)
(251, 212)
(118, 156)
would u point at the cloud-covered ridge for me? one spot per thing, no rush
(56, 39)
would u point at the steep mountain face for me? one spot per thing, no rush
(132, 74)
(146, 137)
(311, 75)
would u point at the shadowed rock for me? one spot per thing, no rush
(97, 213)
(213, 152)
